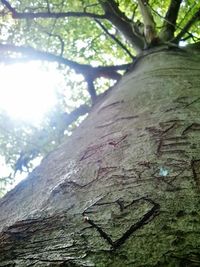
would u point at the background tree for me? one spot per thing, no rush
(123, 190)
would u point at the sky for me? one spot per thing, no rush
(27, 93)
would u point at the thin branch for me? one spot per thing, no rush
(32, 15)
(134, 10)
(48, 6)
(169, 25)
(186, 14)
(188, 25)
(177, 26)
(62, 43)
(114, 38)
(88, 6)
(190, 35)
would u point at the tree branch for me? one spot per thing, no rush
(188, 25)
(91, 89)
(121, 22)
(149, 24)
(114, 38)
(69, 118)
(32, 15)
(33, 54)
(90, 73)
(62, 43)
(169, 25)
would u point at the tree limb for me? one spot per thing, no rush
(91, 89)
(32, 15)
(114, 38)
(188, 25)
(90, 73)
(33, 54)
(149, 24)
(121, 22)
(69, 118)
(169, 25)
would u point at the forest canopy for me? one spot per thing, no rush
(91, 43)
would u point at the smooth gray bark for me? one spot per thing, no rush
(124, 190)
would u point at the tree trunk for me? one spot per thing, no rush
(124, 189)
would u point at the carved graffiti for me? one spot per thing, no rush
(120, 210)
(99, 148)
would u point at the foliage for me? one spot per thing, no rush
(91, 33)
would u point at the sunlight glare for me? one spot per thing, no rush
(27, 92)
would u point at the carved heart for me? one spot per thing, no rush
(120, 215)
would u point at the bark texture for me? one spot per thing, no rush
(124, 190)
